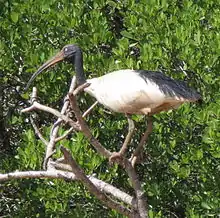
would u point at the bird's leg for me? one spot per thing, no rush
(140, 146)
(119, 155)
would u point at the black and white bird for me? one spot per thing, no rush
(127, 91)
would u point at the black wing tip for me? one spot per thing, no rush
(200, 101)
(197, 98)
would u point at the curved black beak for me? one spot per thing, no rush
(57, 58)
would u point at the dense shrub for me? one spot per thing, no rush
(181, 38)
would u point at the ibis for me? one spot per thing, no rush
(127, 91)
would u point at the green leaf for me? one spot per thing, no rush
(199, 154)
(14, 17)
(205, 205)
(151, 214)
(127, 34)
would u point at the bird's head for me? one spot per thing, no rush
(67, 53)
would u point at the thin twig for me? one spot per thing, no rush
(37, 131)
(56, 113)
(91, 187)
(56, 126)
(80, 88)
(34, 95)
(64, 135)
(89, 109)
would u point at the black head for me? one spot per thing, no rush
(67, 53)
(70, 51)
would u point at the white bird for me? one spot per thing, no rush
(127, 91)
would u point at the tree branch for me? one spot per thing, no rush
(55, 174)
(89, 109)
(56, 113)
(136, 184)
(85, 129)
(64, 135)
(91, 187)
(56, 126)
(60, 174)
(71, 129)
(80, 88)
(37, 131)
(101, 185)
(141, 204)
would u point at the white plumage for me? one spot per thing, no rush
(125, 91)
(132, 96)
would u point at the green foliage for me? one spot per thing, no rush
(181, 170)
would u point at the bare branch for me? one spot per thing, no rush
(141, 203)
(55, 174)
(80, 88)
(34, 95)
(58, 174)
(91, 187)
(56, 126)
(85, 129)
(28, 109)
(89, 109)
(33, 99)
(64, 135)
(101, 185)
(56, 113)
(61, 166)
(136, 184)
(110, 189)
(37, 131)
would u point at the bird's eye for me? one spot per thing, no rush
(65, 49)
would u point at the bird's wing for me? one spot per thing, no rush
(170, 87)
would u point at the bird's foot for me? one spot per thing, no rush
(116, 157)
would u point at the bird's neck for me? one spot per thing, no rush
(78, 63)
